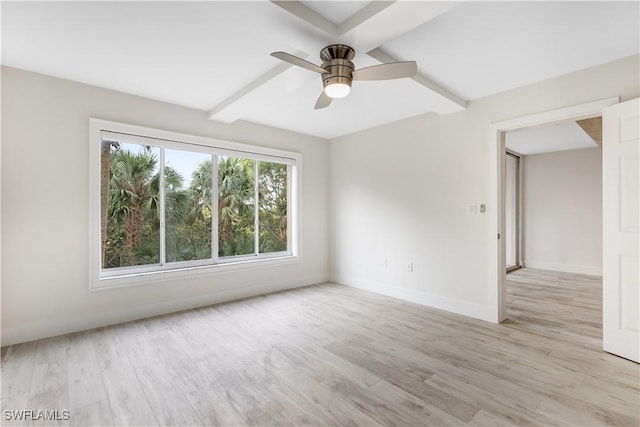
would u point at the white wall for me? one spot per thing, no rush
(45, 209)
(562, 211)
(400, 192)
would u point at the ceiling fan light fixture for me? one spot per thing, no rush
(337, 90)
(337, 85)
(338, 72)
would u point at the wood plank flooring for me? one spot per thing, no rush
(333, 355)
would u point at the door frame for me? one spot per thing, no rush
(496, 205)
(517, 214)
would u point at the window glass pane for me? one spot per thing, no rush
(272, 208)
(236, 210)
(129, 204)
(187, 195)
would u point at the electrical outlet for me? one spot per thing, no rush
(471, 209)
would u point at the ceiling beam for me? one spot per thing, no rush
(371, 26)
(363, 15)
(366, 30)
(429, 84)
(216, 113)
(308, 15)
(391, 21)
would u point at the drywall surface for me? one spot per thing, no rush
(45, 209)
(399, 216)
(562, 211)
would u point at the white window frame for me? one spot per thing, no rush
(135, 275)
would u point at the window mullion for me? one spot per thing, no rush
(163, 256)
(256, 207)
(214, 208)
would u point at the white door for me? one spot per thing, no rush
(620, 219)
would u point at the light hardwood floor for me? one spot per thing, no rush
(333, 355)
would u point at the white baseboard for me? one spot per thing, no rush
(76, 324)
(565, 268)
(476, 311)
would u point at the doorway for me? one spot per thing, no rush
(497, 208)
(559, 182)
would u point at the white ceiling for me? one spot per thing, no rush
(548, 138)
(214, 56)
(478, 48)
(336, 11)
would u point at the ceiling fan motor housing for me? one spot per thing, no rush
(337, 63)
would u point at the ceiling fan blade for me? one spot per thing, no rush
(392, 70)
(323, 101)
(292, 59)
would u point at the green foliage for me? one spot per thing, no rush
(272, 192)
(236, 210)
(132, 205)
(133, 225)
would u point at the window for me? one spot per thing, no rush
(171, 203)
(236, 206)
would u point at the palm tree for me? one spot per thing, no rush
(273, 206)
(200, 191)
(105, 155)
(179, 233)
(235, 206)
(130, 198)
(175, 198)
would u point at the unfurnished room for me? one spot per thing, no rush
(320, 213)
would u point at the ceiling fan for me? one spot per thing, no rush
(338, 71)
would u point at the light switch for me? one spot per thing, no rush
(471, 209)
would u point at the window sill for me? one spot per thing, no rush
(188, 273)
